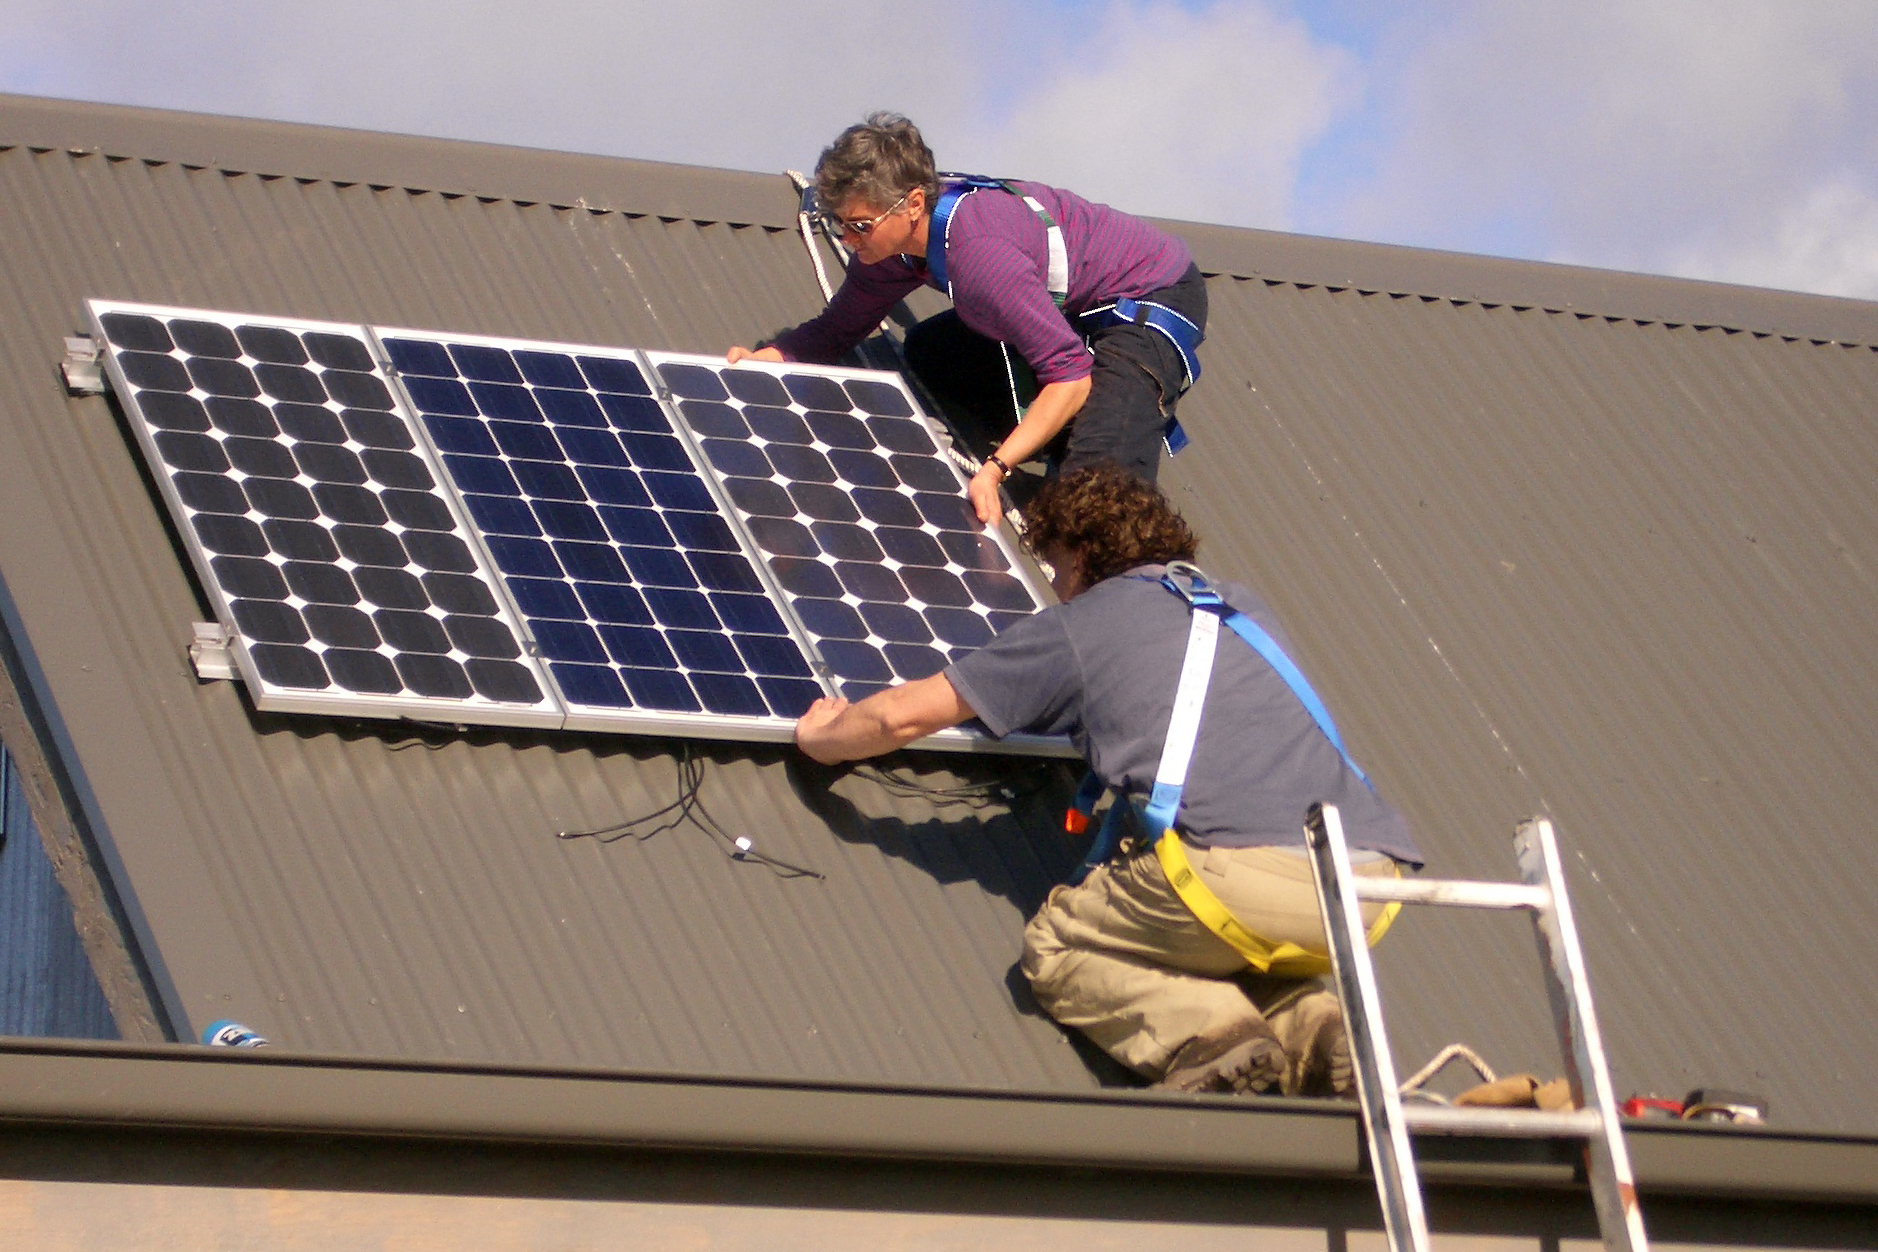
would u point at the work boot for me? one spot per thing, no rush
(1317, 1048)
(1244, 1059)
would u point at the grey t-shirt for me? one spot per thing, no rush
(1103, 668)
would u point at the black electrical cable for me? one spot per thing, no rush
(689, 807)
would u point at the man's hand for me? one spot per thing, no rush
(773, 355)
(812, 727)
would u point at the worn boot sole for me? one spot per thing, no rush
(1250, 1063)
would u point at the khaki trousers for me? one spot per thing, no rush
(1121, 958)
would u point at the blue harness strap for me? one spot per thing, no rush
(1163, 803)
(958, 186)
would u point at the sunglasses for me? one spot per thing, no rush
(840, 226)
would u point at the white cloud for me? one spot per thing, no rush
(1825, 241)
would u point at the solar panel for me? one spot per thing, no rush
(316, 520)
(860, 515)
(451, 527)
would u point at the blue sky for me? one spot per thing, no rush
(1734, 140)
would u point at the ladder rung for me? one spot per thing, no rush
(1471, 895)
(1443, 1119)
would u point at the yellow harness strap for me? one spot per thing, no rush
(1286, 958)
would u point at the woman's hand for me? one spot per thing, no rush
(983, 491)
(773, 355)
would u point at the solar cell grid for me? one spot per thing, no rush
(323, 537)
(858, 513)
(612, 543)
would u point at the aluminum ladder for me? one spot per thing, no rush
(1385, 1119)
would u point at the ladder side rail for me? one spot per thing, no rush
(1391, 1157)
(1607, 1161)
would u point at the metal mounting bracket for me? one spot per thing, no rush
(211, 651)
(83, 374)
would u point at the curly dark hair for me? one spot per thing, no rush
(878, 161)
(1108, 520)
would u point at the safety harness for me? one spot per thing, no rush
(1179, 330)
(1157, 816)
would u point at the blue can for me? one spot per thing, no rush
(227, 1034)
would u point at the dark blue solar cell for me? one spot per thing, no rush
(547, 480)
(441, 552)
(547, 597)
(523, 440)
(782, 537)
(692, 382)
(344, 503)
(830, 619)
(159, 373)
(870, 582)
(398, 469)
(614, 603)
(513, 404)
(597, 685)
(806, 578)
(248, 577)
(659, 567)
(484, 474)
(269, 621)
(231, 378)
(418, 356)
(484, 363)
(456, 434)
(901, 435)
(749, 614)
(286, 666)
(714, 420)
(530, 558)
(644, 528)
(440, 395)
(482, 637)
(737, 458)
(872, 396)
(947, 512)
(506, 682)
(355, 391)
(839, 430)
(211, 493)
(789, 697)
(323, 462)
(776, 655)
(568, 520)
(702, 532)
(661, 689)
(550, 369)
(569, 641)
(813, 391)
(680, 609)
(827, 503)
(311, 424)
(289, 382)
(635, 413)
(235, 416)
(295, 540)
(974, 551)
(341, 627)
(264, 458)
(724, 571)
(338, 352)
(592, 447)
(802, 465)
(591, 562)
(184, 451)
(729, 695)
(273, 498)
(705, 649)
(926, 473)
(374, 430)
(205, 338)
(760, 497)
(845, 542)
(910, 547)
(998, 591)
(913, 662)
(656, 452)
(680, 491)
(614, 486)
(369, 545)
(272, 343)
(612, 374)
(171, 410)
(136, 332)
(886, 508)
(936, 586)
(960, 627)
(637, 645)
(570, 408)
(859, 661)
(754, 386)
(358, 670)
(777, 425)
(896, 623)
(458, 594)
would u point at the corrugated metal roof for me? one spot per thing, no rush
(1599, 546)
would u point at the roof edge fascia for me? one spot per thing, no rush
(412, 162)
(63, 1083)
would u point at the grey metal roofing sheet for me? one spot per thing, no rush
(1565, 552)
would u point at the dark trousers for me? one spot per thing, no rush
(1136, 379)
